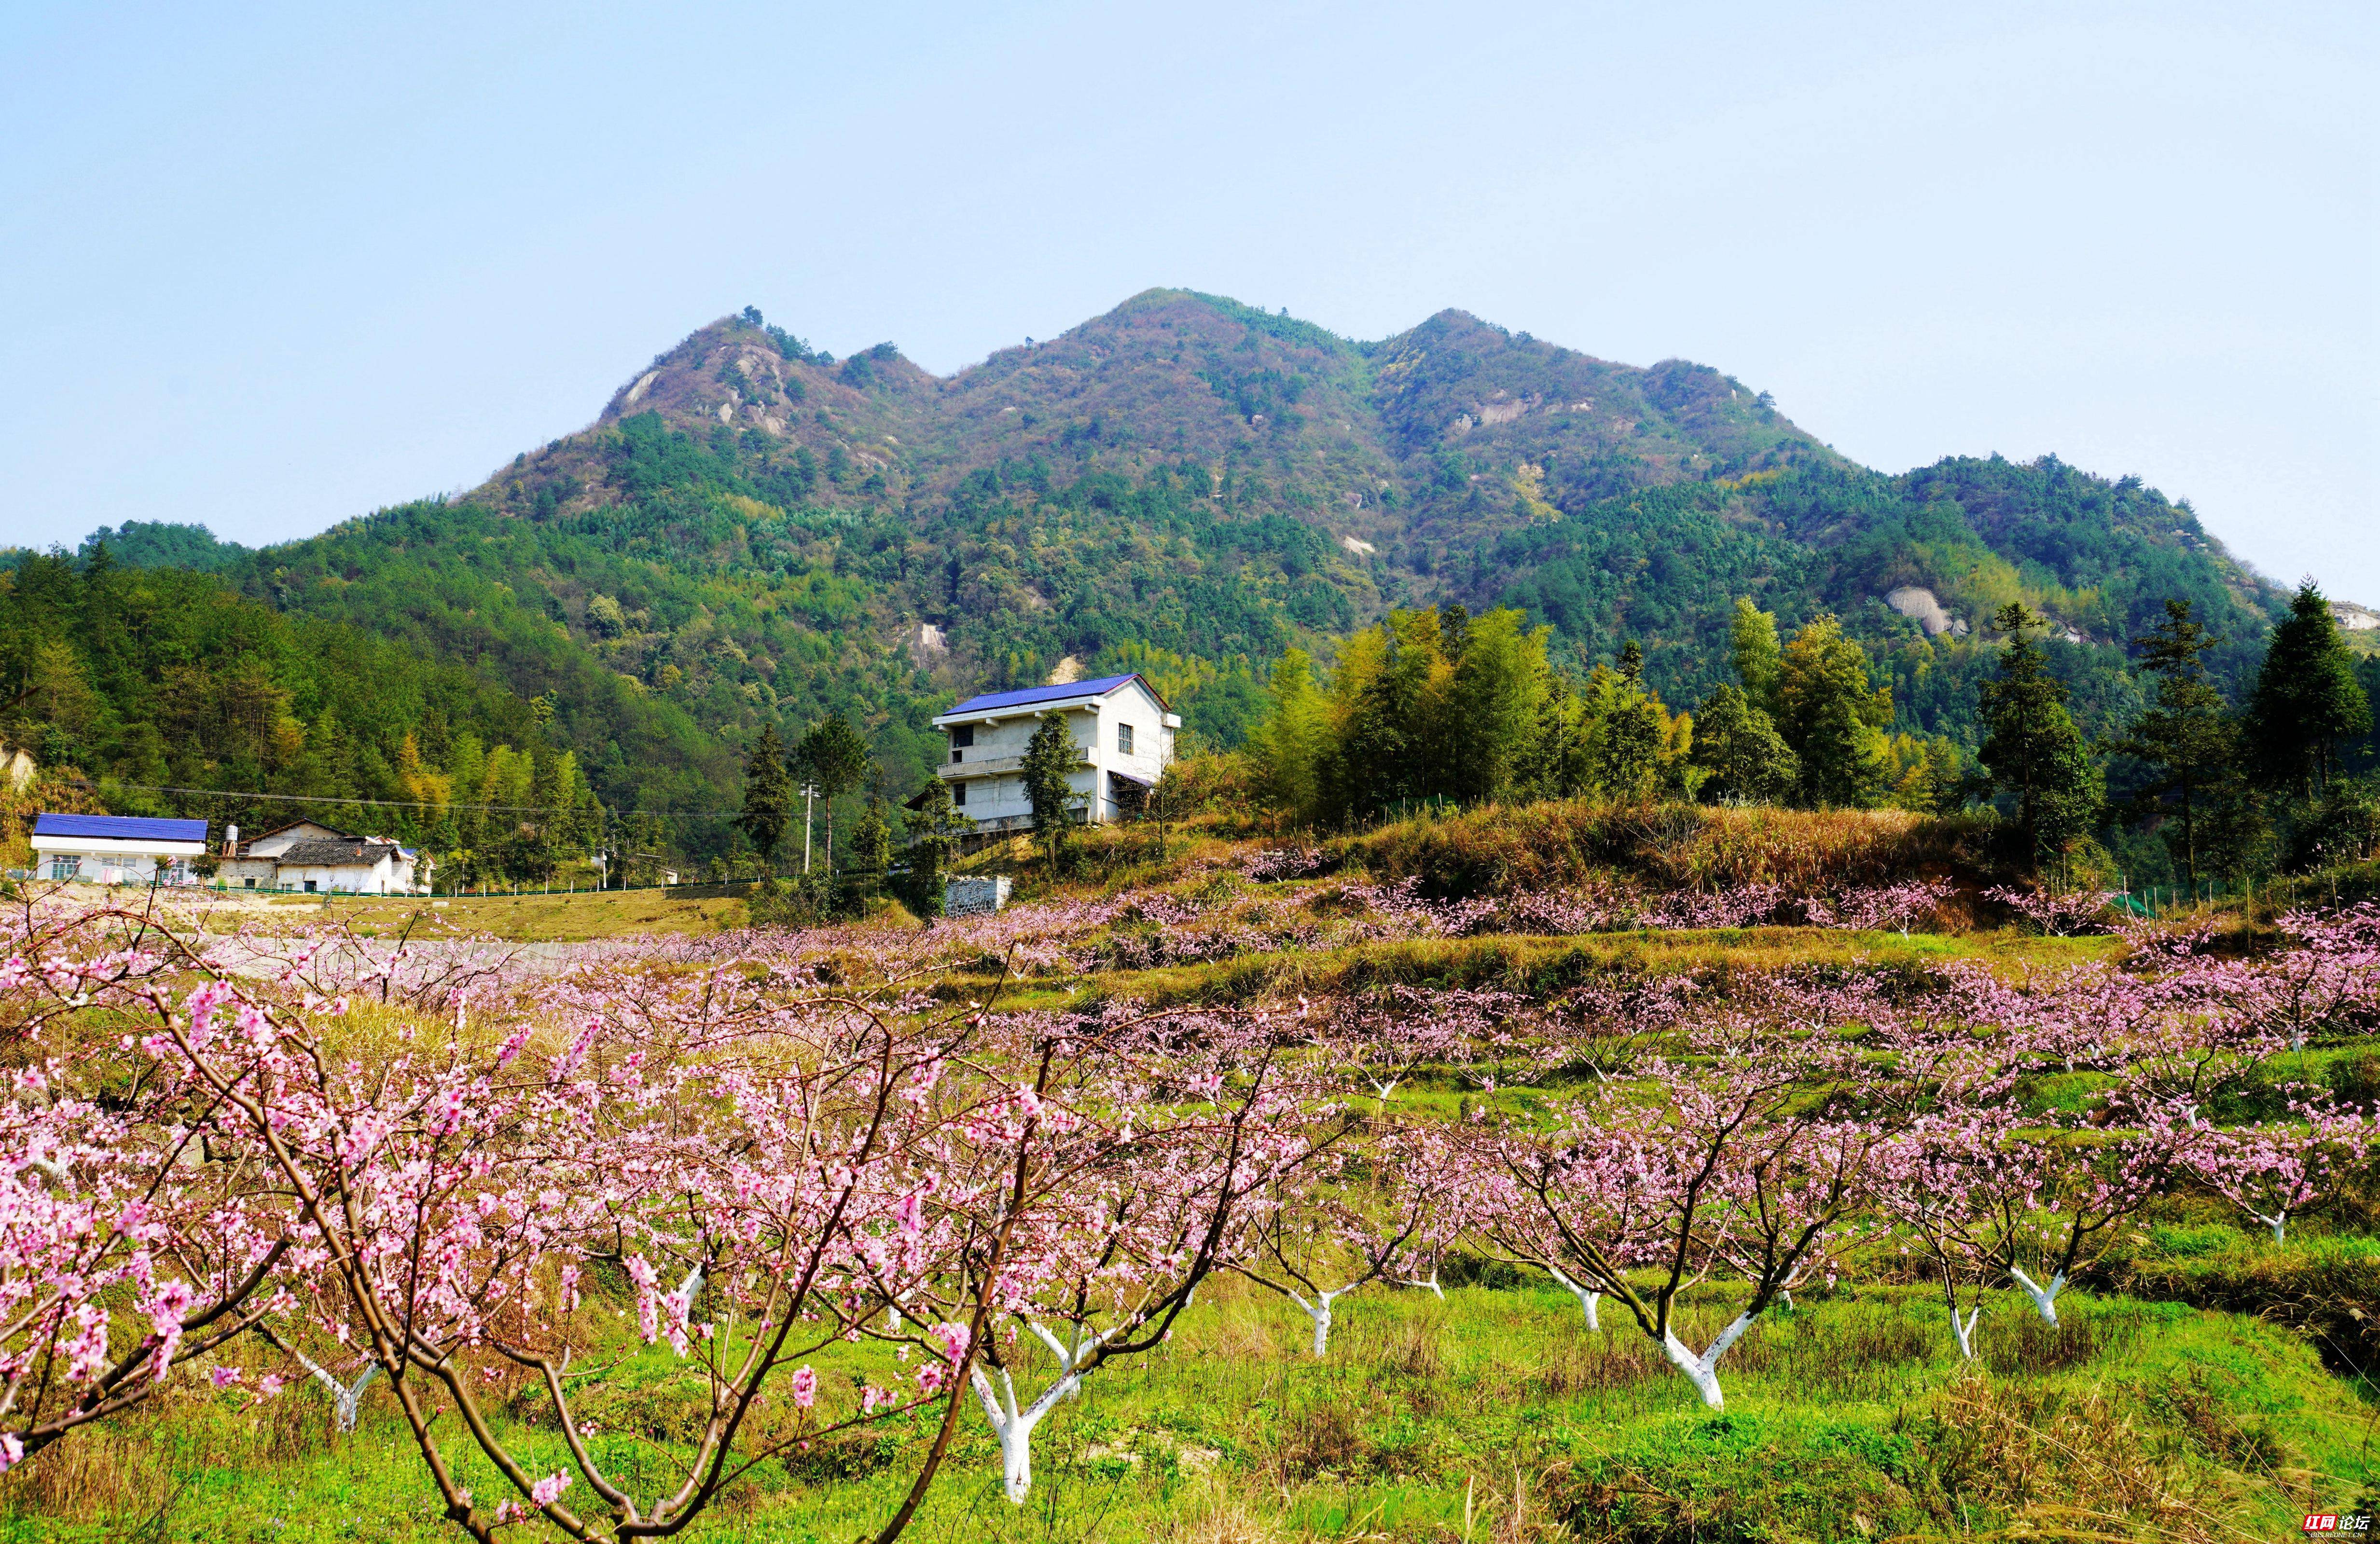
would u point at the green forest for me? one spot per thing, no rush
(755, 536)
(1441, 707)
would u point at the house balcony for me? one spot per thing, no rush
(999, 766)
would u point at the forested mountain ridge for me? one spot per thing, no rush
(753, 531)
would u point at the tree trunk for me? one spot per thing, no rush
(2045, 1299)
(1587, 1298)
(1320, 1311)
(1703, 1371)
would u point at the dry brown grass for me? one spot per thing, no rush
(1220, 1512)
(2064, 1466)
(1561, 842)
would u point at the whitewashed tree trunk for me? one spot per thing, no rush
(1320, 1311)
(1014, 1426)
(1965, 1331)
(2279, 1222)
(345, 1397)
(1070, 1356)
(1587, 1298)
(1430, 1285)
(1703, 1371)
(2045, 1299)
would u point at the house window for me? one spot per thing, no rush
(958, 794)
(1124, 739)
(963, 735)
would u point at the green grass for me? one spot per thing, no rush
(2196, 1406)
(1846, 1419)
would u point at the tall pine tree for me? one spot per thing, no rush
(768, 794)
(2186, 738)
(834, 759)
(2307, 704)
(1050, 757)
(1749, 763)
(934, 829)
(2035, 753)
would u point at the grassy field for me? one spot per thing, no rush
(532, 918)
(2204, 1384)
(1494, 1415)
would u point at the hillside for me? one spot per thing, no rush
(754, 530)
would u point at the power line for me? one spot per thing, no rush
(416, 804)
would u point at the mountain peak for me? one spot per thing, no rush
(757, 532)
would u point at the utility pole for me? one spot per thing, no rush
(809, 792)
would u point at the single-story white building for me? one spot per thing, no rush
(362, 865)
(117, 850)
(255, 864)
(310, 857)
(1124, 740)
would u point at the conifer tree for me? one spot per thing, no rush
(2186, 738)
(934, 828)
(768, 794)
(1562, 753)
(1494, 696)
(1050, 757)
(2308, 703)
(551, 825)
(871, 849)
(1628, 760)
(834, 759)
(2035, 753)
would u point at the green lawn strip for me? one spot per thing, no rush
(1847, 1419)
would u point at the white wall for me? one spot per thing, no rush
(272, 843)
(99, 860)
(381, 878)
(1000, 796)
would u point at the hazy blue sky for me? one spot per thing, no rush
(270, 266)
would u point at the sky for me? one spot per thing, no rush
(267, 267)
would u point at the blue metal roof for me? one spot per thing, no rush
(127, 828)
(1100, 688)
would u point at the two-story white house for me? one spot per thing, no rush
(1123, 736)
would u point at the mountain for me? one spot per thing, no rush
(754, 530)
